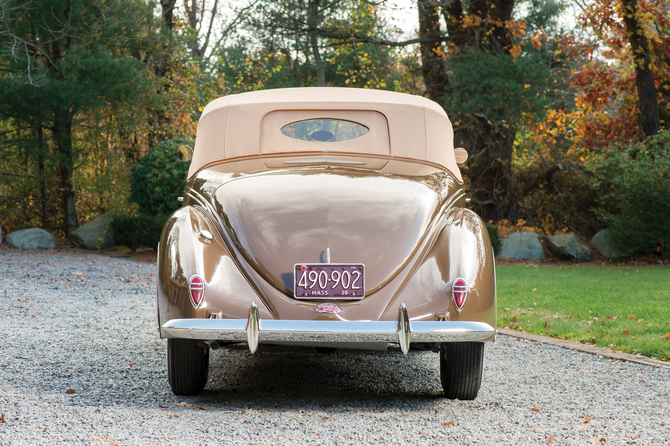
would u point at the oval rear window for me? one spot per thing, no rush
(324, 130)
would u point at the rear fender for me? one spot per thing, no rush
(184, 251)
(462, 249)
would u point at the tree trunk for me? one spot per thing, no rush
(489, 167)
(646, 88)
(314, 42)
(42, 176)
(432, 55)
(62, 136)
(168, 12)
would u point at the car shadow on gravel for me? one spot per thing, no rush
(297, 376)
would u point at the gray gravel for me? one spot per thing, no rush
(86, 323)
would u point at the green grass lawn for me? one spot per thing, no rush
(624, 308)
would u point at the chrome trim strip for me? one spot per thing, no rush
(257, 331)
(325, 160)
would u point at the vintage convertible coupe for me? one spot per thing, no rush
(326, 217)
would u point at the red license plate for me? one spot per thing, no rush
(329, 281)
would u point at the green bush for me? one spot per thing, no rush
(136, 231)
(159, 178)
(496, 243)
(156, 183)
(634, 187)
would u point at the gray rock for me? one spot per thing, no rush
(605, 244)
(522, 246)
(94, 234)
(567, 247)
(31, 238)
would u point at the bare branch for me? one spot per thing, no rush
(334, 33)
(209, 29)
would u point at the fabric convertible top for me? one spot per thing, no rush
(400, 125)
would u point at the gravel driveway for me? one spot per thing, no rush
(82, 364)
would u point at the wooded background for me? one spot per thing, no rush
(542, 93)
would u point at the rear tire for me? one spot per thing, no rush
(461, 367)
(188, 366)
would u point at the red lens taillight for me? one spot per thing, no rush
(196, 288)
(459, 293)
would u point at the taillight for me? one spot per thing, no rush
(459, 293)
(196, 289)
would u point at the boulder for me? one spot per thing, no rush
(568, 247)
(522, 246)
(31, 238)
(95, 234)
(605, 244)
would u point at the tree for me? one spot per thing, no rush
(646, 89)
(623, 91)
(63, 58)
(487, 83)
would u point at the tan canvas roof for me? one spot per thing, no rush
(400, 125)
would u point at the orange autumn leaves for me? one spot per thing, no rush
(606, 104)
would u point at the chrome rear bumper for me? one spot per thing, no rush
(256, 331)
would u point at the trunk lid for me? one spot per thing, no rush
(280, 219)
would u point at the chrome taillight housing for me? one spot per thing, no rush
(459, 293)
(196, 289)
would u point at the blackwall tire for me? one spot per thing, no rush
(461, 368)
(188, 366)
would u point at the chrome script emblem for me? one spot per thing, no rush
(328, 308)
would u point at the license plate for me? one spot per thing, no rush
(329, 281)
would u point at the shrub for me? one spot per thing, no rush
(159, 178)
(496, 243)
(136, 231)
(634, 187)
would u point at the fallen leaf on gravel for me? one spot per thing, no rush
(535, 409)
(625, 331)
(185, 404)
(70, 391)
(551, 440)
(173, 416)
(587, 419)
(2, 418)
(449, 423)
(106, 441)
